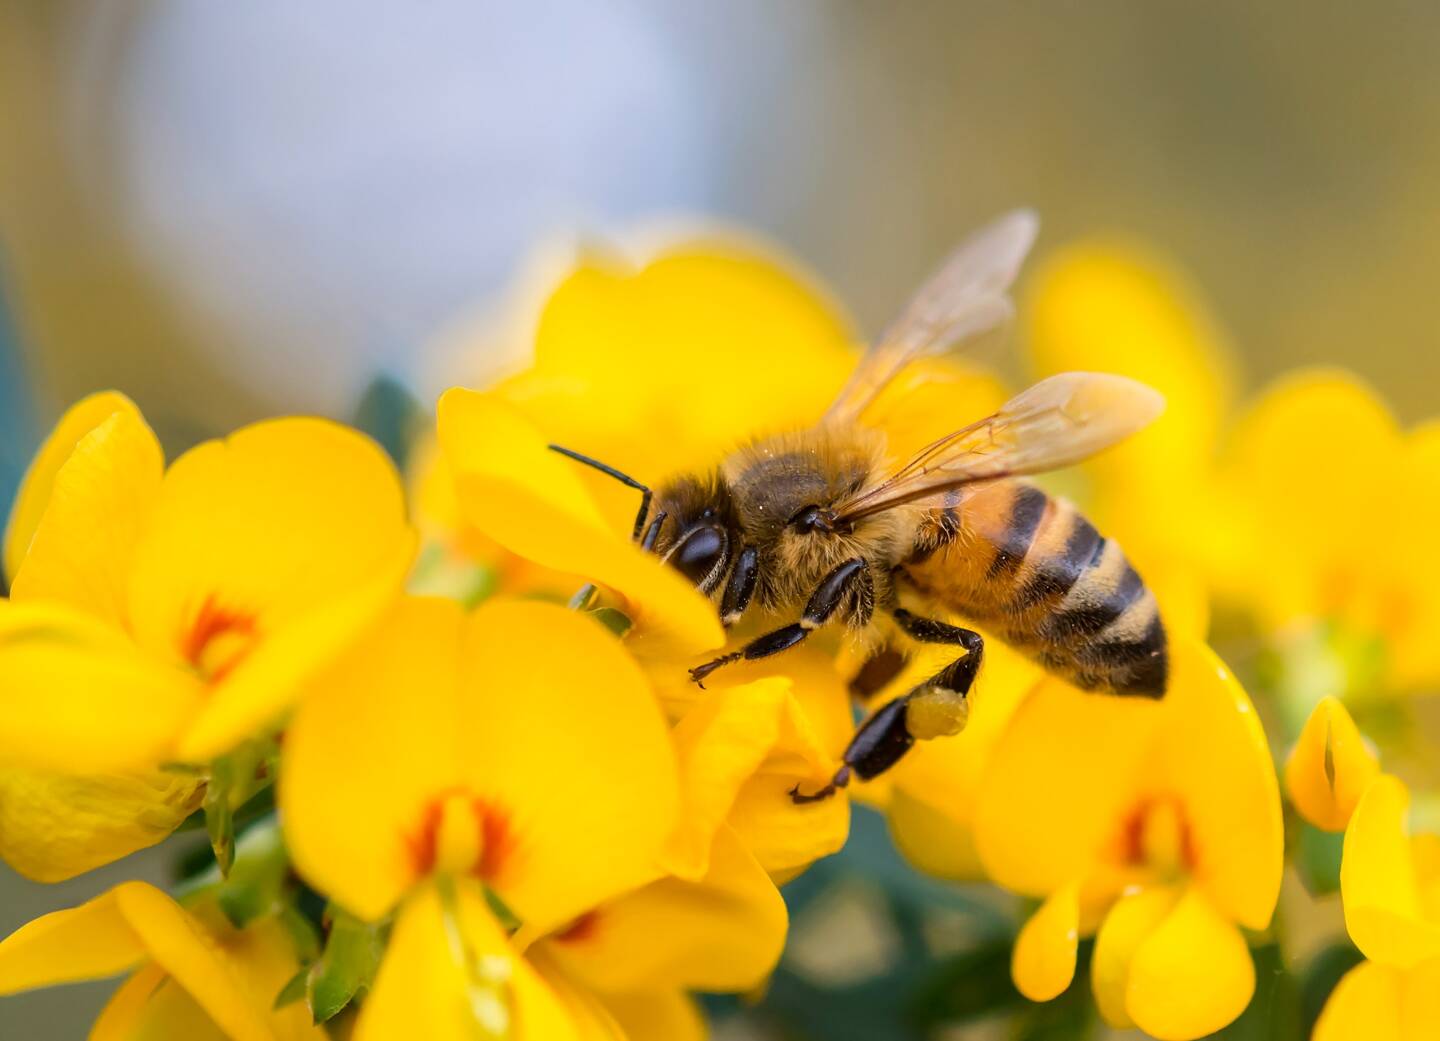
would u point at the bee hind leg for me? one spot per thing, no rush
(939, 707)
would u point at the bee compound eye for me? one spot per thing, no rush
(699, 555)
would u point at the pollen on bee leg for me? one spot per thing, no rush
(934, 711)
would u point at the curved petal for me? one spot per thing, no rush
(741, 750)
(565, 748)
(931, 840)
(513, 489)
(1383, 910)
(1310, 557)
(33, 496)
(1192, 975)
(370, 747)
(100, 499)
(721, 933)
(1365, 1003)
(674, 345)
(152, 1005)
(672, 1016)
(449, 974)
(265, 555)
(1113, 307)
(1059, 782)
(77, 696)
(1236, 824)
(1330, 767)
(1128, 924)
(88, 942)
(56, 826)
(1043, 962)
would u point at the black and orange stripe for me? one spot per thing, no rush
(1034, 572)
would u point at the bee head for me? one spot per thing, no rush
(699, 532)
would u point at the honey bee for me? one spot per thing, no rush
(819, 526)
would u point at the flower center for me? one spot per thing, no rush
(1156, 836)
(218, 639)
(460, 835)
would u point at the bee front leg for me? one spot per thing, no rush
(939, 707)
(822, 605)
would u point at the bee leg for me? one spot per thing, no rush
(877, 745)
(879, 669)
(939, 707)
(822, 605)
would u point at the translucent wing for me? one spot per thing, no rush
(1057, 422)
(964, 298)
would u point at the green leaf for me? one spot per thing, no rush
(1317, 858)
(256, 880)
(1320, 978)
(618, 622)
(1274, 1012)
(293, 990)
(346, 966)
(220, 824)
(390, 414)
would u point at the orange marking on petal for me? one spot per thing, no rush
(218, 639)
(583, 928)
(496, 840)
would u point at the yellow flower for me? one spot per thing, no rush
(518, 750)
(1329, 768)
(1390, 885)
(1334, 499)
(162, 615)
(1116, 307)
(1157, 822)
(192, 974)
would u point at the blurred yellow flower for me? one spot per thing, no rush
(1332, 500)
(1157, 822)
(193, 976)
(162, 615)
(518, 749)
(1390, 885)
(1329, 768)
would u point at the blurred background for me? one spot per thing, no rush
(230, 211)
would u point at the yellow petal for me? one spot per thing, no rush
(1127, 925)
(33, 496)
(1364, 1004)
(1307, 557)
(610, 340)
(371, 746)
(77, 696)
(91, 941)
(100, 500)
(55, 826)
(1043, 962)
(449, 973)
(564, 743)
(935, 786)
(1410, 616)
(1235, 821)
(662, 1016)
(1192, 975)
(1420, 1003)
(150, 1006)
(1112, 307)
(512, 489)
(741, 750)
(1061, 777)
(265, 555)
(1330, 767)
(721, 933)
(1378, 883)
(131, 922)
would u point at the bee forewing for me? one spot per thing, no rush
(964, 297)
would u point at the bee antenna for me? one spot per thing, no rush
(623, 478)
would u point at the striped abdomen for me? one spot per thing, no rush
(1032, 571)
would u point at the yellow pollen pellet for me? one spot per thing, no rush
(936, 712)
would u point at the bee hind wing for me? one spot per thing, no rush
(1057, 422)
(966, 296)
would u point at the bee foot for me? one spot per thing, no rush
(699, 672)
(840, 780)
